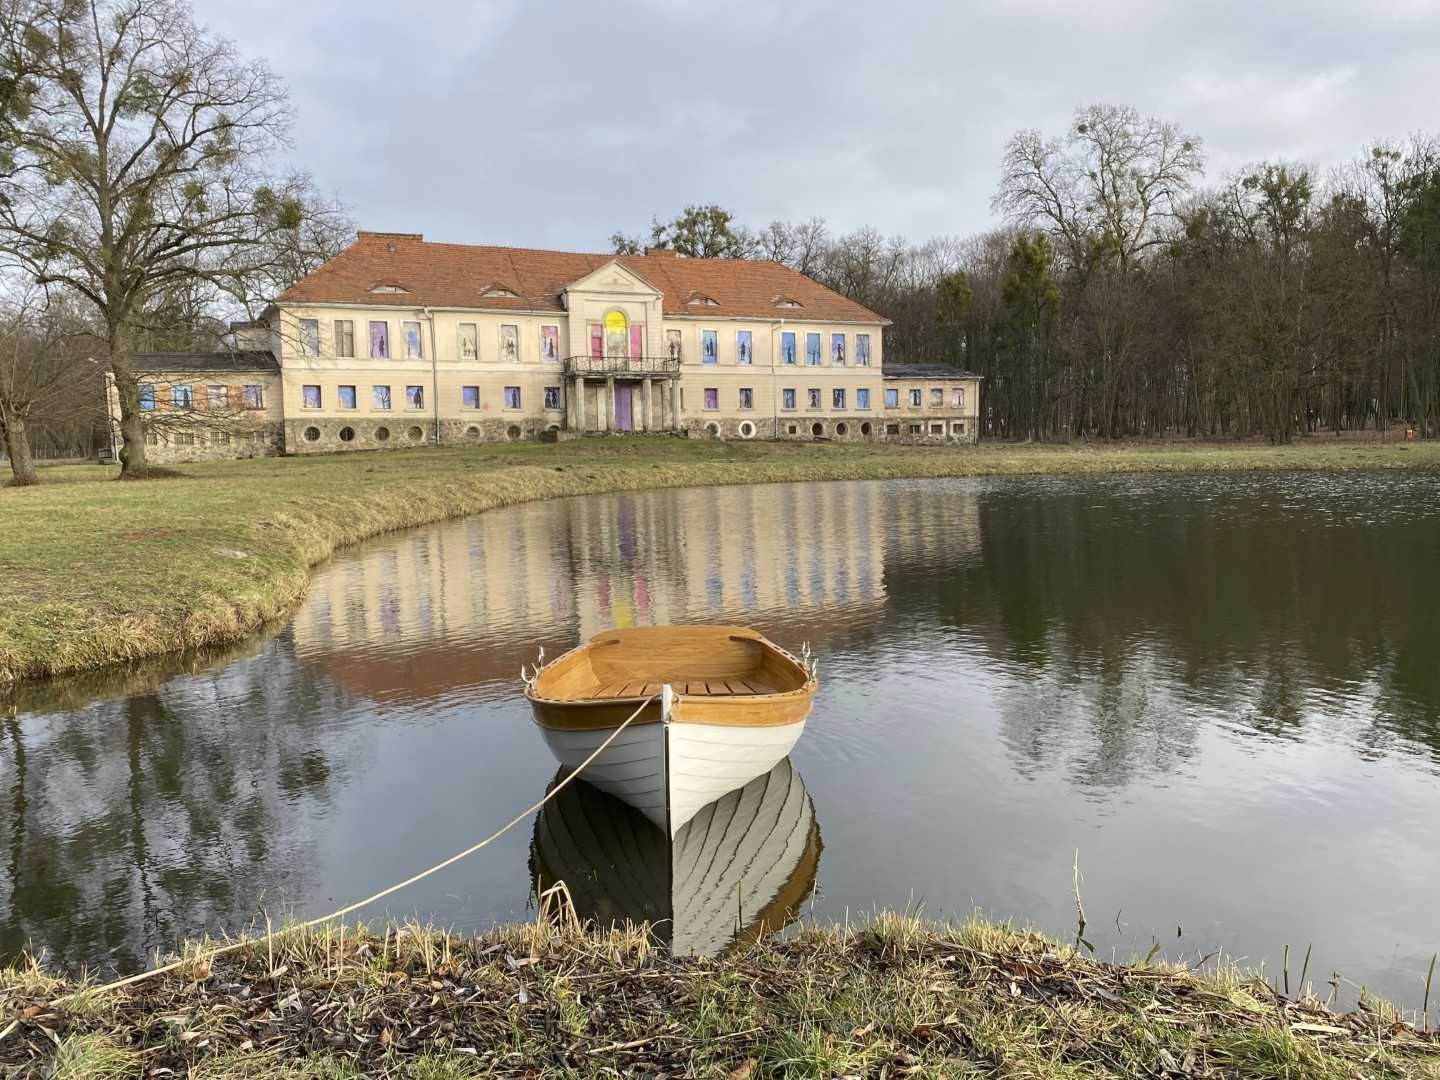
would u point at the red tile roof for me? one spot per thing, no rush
(457, 275)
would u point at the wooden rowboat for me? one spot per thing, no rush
(738, 705)
(739, 869)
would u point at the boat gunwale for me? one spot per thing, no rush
(807, 689)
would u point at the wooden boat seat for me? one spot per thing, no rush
(691, 688)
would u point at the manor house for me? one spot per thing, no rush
(398, 341)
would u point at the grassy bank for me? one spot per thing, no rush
(898, 998)
(95, 573)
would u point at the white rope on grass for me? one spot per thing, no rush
(224, 950)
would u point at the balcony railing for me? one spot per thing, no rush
(622, 365)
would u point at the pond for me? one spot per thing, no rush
(1218, 695)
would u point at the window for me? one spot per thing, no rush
(344, 337)
(862, 350)
(312, 434)
(552, 397)
(252, 396)
(957, 397)
(469, 342)
(813, 397)
(812, 350)
(217, 396)
(512, 397)
(309, 337)
(220, 438)
(787, 398)
(892, 398)
(709, 347)
(743, 351)
(674, 346)
(747, 397)
(837, 398)
(787, 347)
(937, 429)
(937, 396)
(712, 397)
(915, 398)
(892, 429)
(958, 428)
(837, 348)
(180, 396)
(414, 397)
(470, 397)
(310, 396)
(379, 340)
(862, 397)
(346, 396)
(414, 348)
(147, 396)
(510, 343)
(550, 344)
(380, 397)
(786, 302)
(915, 429)
(184, 438)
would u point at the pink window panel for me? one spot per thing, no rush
(597, 340)
(637, 335)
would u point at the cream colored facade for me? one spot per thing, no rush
(196, 413)
(452, 392)
(389, 373)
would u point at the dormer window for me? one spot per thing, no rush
(498, 290)
(701, 300)
(388, 287)
(786, 302)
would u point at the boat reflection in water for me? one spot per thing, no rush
(739, 869)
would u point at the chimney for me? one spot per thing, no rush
(668, 253)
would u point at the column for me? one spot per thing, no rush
(675, 404)
(610, 424)
(577, 391)
(645, 424)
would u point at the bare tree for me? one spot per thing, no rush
(45, 366)
(137, 156)
(1105, 191)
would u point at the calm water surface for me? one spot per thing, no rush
(1223, 692)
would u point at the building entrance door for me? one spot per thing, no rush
(624, 406)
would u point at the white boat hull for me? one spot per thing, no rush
(670, 772)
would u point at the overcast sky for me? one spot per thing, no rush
(552, 124)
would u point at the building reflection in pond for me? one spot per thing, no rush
(740, 869)
(461, 606)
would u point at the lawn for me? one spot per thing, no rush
(94, 572)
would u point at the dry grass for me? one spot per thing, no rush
(897, 998)
(94, 573)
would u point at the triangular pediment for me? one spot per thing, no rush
(613, 277)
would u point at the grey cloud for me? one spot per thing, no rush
(555, 123)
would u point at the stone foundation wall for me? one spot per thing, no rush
(163, 448)
(403, 433)
(955, 429)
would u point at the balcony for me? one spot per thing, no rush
(635, 366)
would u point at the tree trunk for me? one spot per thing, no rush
(127, 388)
(17, 446)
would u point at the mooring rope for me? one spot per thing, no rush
(236, 946)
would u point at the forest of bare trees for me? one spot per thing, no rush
(1124, 296)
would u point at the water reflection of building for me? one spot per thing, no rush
(738, 870)
(466, 603)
